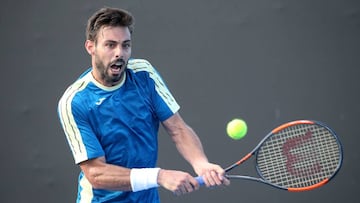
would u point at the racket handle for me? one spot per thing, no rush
(200, 180)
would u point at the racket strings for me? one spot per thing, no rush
(299, 156)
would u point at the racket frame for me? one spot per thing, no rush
(254, 152)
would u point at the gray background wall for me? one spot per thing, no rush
(267, 61)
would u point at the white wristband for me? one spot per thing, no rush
(143, 178)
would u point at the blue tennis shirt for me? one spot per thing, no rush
(119, 122)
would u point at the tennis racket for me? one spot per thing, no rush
(296, 156)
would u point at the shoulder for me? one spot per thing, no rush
(137, 65)
(75, 88)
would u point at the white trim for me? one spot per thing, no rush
(68, 123)
(138, 65)
(86, 193)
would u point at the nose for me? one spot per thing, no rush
(119, 52)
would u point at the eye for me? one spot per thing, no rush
(110, 44)
(126, 45)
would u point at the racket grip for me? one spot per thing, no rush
(200, 180)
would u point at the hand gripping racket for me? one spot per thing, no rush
(296, 156)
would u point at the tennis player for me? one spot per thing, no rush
(111, 116)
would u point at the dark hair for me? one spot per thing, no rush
(108, 17)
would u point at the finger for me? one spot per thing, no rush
(226, 181)
(216, 178)
(209, 181)
(194, 183)
(180, 191)
(177, 192)
(221, 173)
(183, 189)
(221, 177)
(189, 187)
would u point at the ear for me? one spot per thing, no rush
(90, 46)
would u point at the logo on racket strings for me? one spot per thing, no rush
(301, 156)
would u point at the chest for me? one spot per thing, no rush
(127, 110)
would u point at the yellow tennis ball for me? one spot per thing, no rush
(236, 129)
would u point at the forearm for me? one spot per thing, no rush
(107, 176)
(189, 145)
(111, 177)
(186, 140)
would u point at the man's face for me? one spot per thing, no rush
(110, 54)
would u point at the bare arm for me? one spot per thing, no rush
(102, 175)
(187, 142)
(189, 146)
(106, 176)
(112, 177)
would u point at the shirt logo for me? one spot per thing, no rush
(100, 101)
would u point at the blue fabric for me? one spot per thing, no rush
(119, 123)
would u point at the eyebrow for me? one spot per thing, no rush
(113, 41)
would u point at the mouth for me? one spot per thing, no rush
(117, 67)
